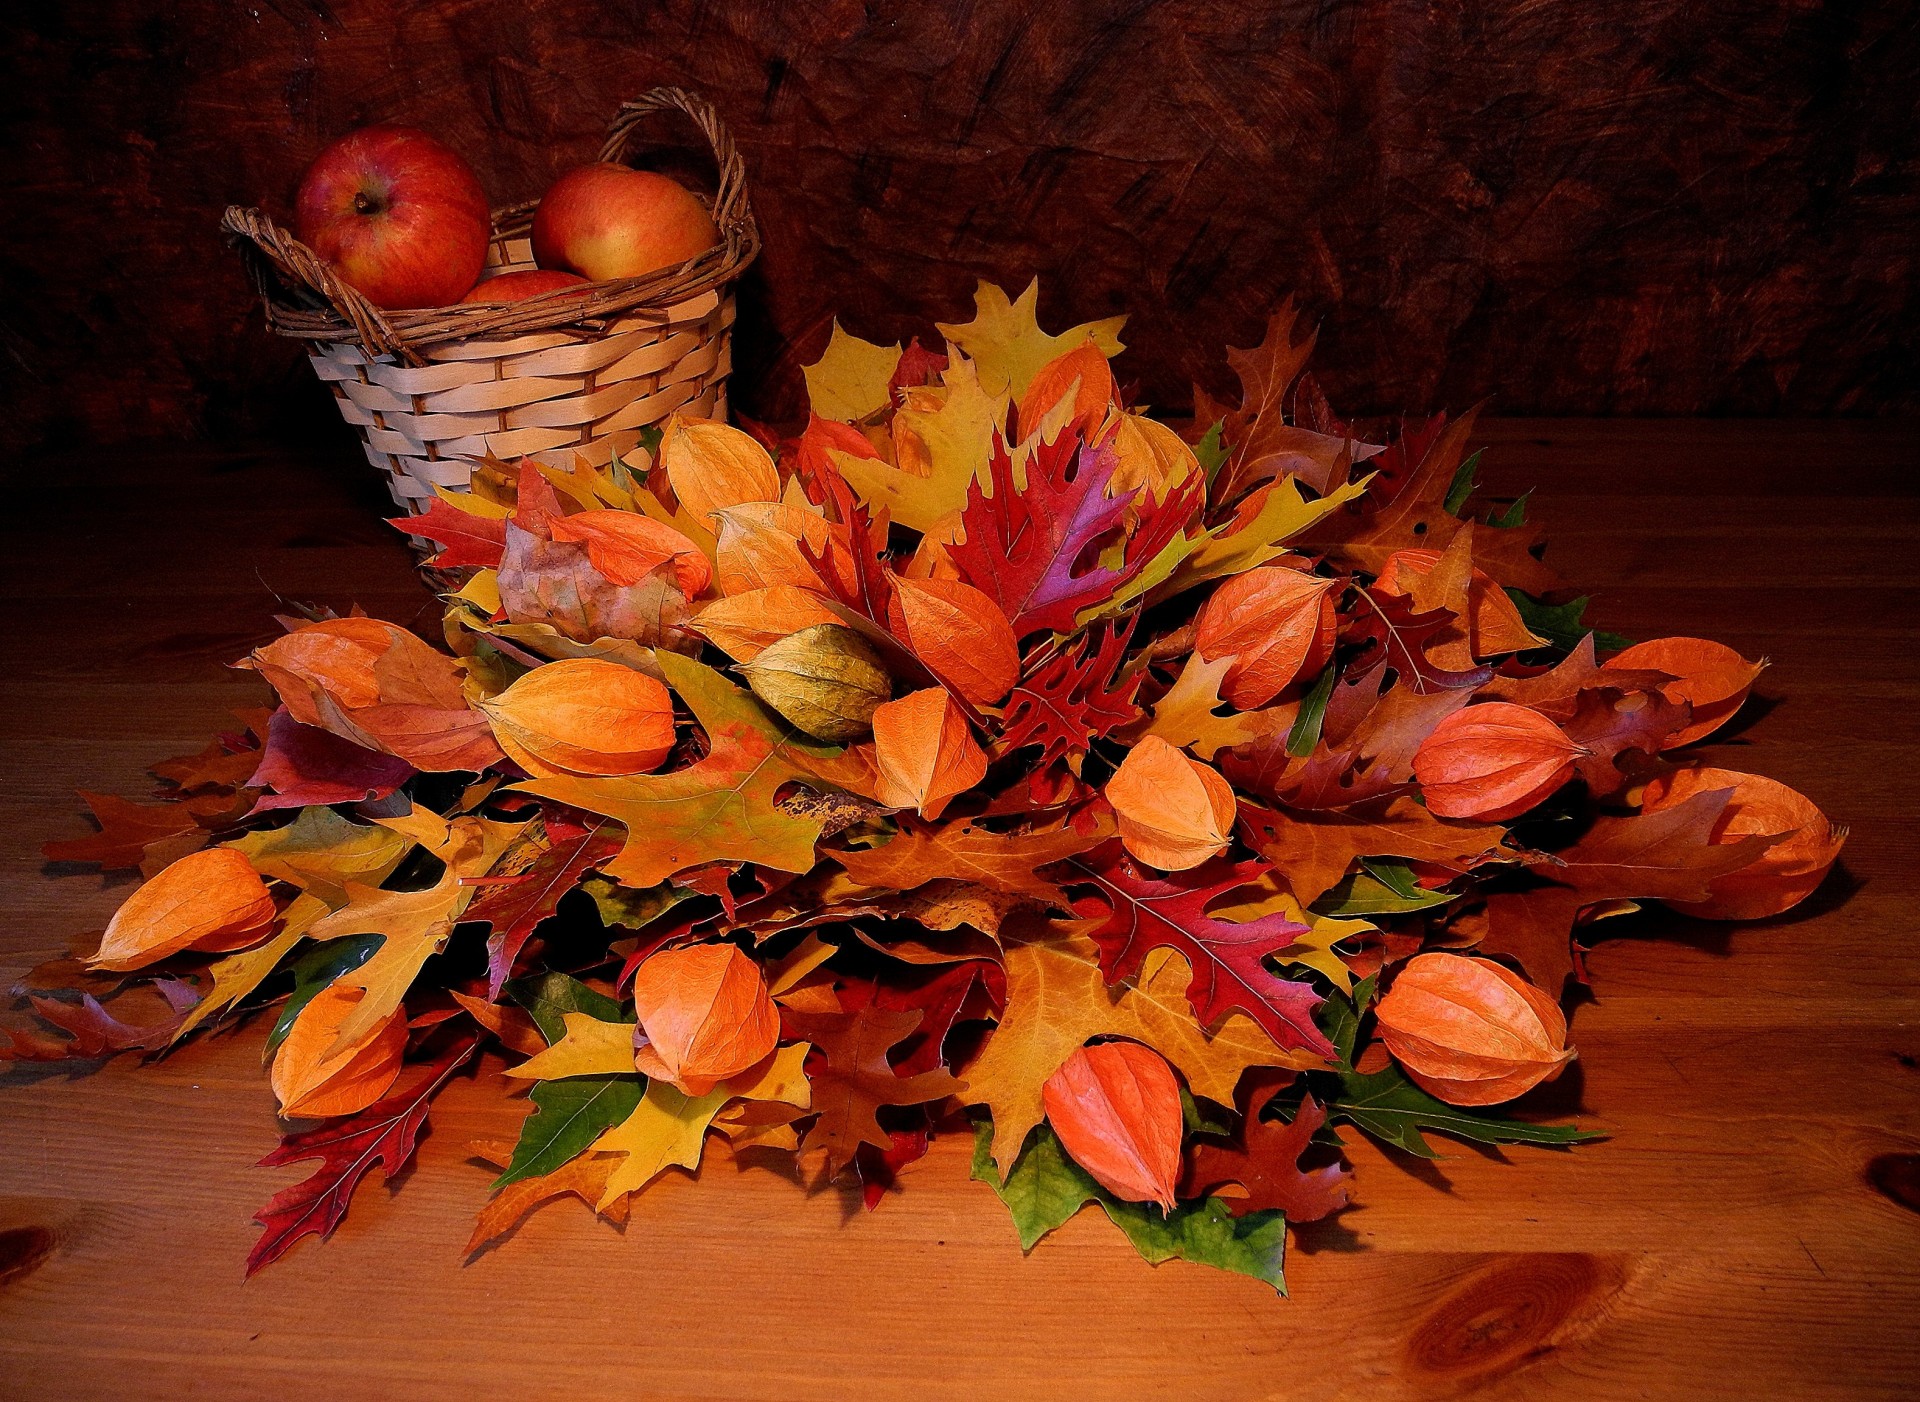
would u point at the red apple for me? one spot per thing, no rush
(528, 282)
(609, 221)
(401, 218)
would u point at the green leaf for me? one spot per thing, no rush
(1514, 515)
(549, 997)
(313, 971)
(1340, 1018)
(1377, 890)
(568, 1116)
(1391, 1108)
(632, 908)
(1313, 714)
(1462, 486)
(1211, 451)
(1046, 1188)
(1561, 624)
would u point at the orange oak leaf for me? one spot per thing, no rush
(1710, 677)
(852, 1078)
(1005, 862)
(143, 835)
(1266, 1162)
(1313, 850)
(583, 1176)
(1116, 1108)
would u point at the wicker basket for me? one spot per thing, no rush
(433, 392)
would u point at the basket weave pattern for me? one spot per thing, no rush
(435, 391)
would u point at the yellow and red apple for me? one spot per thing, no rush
(610, 221)
(401, 217)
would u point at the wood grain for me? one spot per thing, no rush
(1665, 206)
(1750, 1229)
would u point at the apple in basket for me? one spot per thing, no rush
(517, 286)
(401, 218)
(610, 221)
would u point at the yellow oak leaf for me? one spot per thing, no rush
(1281, 512)
(321, 852)
(1187, 715)
(668, 1127)
(590, 1047)
(584, 1177)
(1314, 950)
(1057, 1000)
(237, 975)
(1006, 339)
(850, 381)
(953, 441)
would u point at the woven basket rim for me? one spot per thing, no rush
(304, 299)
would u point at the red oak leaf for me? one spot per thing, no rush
(97, 1032)
(516, 908)
(469, 538)
(1137, 913)
(1397, 637)
(303, 765)
(1071, 697)
(1267, 1164)
(385, 1133)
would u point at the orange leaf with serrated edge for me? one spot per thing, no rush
(212, 900)
(1002, 862)
(712, 466)
(857, 1079)
(1116, 1108)
(1470, 1031)
(1709, 676)
(1780, 877)
(959, 633)
(1275, 623)
(583, 716)
(925, 752)
(1492, 762)
(705, 1014)
(1174, 811)
(1494, 624)
(626, 547)
(314, 1080)
(745, 625)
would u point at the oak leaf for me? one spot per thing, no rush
(1068, 698)
(301, 766)
(1313, 850)
(942, 440)
(1266, 1164)
(1006, 341)
(856, 1079)
(1004, 862)
(852, 379)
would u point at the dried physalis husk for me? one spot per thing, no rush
(758, 546)
(825, 680)
(1492, 761)
(1116, 1108)
(745, 625)
(1780, 877)
(961, 635)
(1711, 677)
(583, 716)
(1084, 374)
(712, 466)
(626, 547)
(212, 900)
(1494, 624)
(1275, 623)
(705, 1016)
(1470, 1031)
(1174, 812)
(925, 752)
(314, 1079)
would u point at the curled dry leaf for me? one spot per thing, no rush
(961, 635)
(1780, 877)
(705, 1016)
(925, 752)
(1083, 374)
(825, 680)
(1174, 812)
(1492, 761)
(745, 625)
(1470, 1031)
(712, 466)
(1494, 624)
(211, 900)
(1116, 1108)
(626, 547)
(381, 687)
(1709, 676)
(583, 716)
(1275, 623)
(758, 546)
(313, 1080)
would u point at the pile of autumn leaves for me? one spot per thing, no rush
(987, 745)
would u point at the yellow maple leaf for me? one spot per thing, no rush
(955, 440)
(1006, 339)
(850, 381)
(1057, 1000)
(668, 1127)
(590, 1047)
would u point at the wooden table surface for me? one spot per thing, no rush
(1750, 1229)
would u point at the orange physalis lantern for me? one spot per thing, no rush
(1780, 877)
(1276, 623)
(705, 1015)
(583, 716)
(925, 752)
(211, 900)
(1116, 1108)
(1174, 812)
(1470, 1031)
(315, 1081)
(1492, 761)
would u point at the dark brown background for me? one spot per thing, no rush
(1649, 207)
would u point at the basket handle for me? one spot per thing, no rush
(732, 210)
(269, 248)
